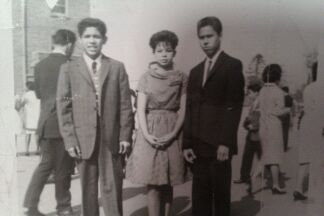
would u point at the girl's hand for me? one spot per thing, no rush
(152, 140)
(166, 138)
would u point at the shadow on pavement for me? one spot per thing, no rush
(181, 207)
(131, 192)
(247, 206)
(76, 211)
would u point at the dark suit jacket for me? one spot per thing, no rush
(76, 105)
(213, 111)
(46, 76)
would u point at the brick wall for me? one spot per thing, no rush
(40, 26)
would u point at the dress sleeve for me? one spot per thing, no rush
(184, 84)
(142, 84)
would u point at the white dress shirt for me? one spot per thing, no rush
(207, 62)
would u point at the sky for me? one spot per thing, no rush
(283, 31)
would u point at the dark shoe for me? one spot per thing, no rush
(33, 212)
(278, 191)
(299, 196)
(241, 181)
(65, 212)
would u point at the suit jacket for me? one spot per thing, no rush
(213, 111)
(46, 76)
(77, 109)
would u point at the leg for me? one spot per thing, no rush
(63, 170)
(111, 182)
(247, 160)
(201, 188)
(89, 184)
(222, 174)
(303, 172)
(166, 194)
(275, 175)
(153, 200)
(40, 175)
(28, 138)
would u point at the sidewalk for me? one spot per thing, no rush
(263, 203)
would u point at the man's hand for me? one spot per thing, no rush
(189, 155)
(75, 152)
(123, 147)
(222, 153)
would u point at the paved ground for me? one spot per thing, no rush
(262, 203)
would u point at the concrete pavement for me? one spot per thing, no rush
(261, 203)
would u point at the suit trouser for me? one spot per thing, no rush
(250, 148)
(107, 168)
(53, 157)
(211, 187)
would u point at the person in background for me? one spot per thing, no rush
(157, 160)
(252, 142)
(310, 130)
(272, 108)
(31, 106)
(53, 154)
(285, 119)
(214, 104)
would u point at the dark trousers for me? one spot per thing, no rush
(53, 157)
(107, 168)
(211, 187)
(250, 149)
(285, 130)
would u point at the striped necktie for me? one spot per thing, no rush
(94, 67)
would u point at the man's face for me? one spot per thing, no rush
(209, 40)
(92, 42)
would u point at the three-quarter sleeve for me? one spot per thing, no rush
(184, 84)
(142, 84)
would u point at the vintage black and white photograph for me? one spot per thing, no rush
(161, 108)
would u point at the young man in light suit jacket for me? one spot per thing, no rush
(96, 119)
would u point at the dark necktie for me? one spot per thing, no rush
(94, 67)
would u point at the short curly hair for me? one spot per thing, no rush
(92, 22)
(168, 37)
(272, 73)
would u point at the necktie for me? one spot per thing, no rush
(94, 67)
(207, 71)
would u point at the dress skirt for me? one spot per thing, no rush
(151, 166)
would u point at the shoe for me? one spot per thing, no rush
(278, 191)
(299, 196)
(65, 212)
(33, 212)
(241, 181)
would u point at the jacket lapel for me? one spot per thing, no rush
(218, 63)
(83, 68)
(105, 68)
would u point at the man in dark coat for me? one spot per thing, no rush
(214, 103)
(53, 154)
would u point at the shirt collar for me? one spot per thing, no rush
(59, 52)
(89, 61)
(214, 58)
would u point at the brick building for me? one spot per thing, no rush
(34, 23)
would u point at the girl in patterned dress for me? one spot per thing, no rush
(156, 159)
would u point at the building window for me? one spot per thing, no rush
(60, 9)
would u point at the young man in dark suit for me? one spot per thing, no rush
(96, 119)
(53, 154)
(214, 103)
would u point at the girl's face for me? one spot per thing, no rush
(164, 54)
